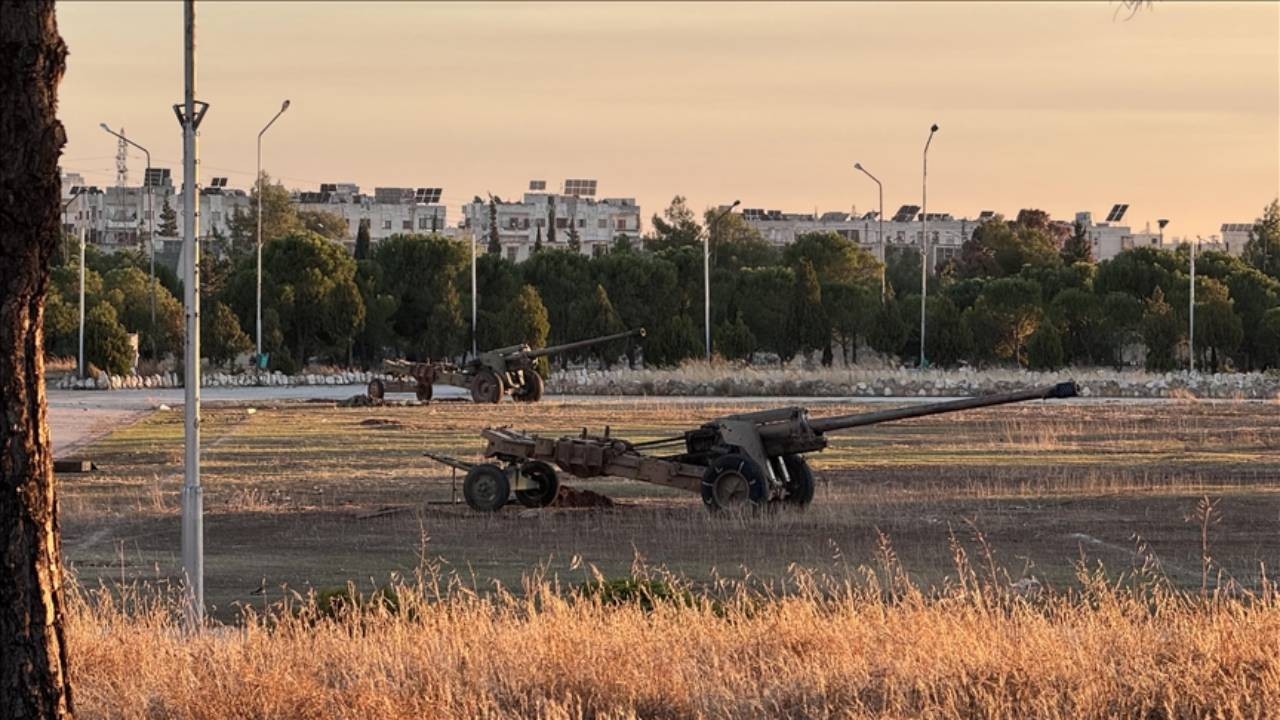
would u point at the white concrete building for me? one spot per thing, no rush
(116, 218)
(1234, 237)
(598, 222)
(946, 233)
(389, 211)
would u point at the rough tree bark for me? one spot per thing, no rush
(34, 681)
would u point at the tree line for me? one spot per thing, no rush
(1019, 292)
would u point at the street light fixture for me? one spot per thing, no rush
(1162, 222)
(884, 288)
(924, 239)
(151, 230)
(283, 106)
(706, 274)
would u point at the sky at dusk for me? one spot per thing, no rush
(1060, 106)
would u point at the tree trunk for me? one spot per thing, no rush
(34, 681)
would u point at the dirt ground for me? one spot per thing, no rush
(307, 495)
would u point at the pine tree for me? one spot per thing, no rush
(1160, 332)
(362, 241)
(575, 240)
(220, 335)
(1077, 248)
(168, 220)
(537, 241)
(806, 321)
(495, 240)
(551, 219)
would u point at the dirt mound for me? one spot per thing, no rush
(574, 498)
(381, 422)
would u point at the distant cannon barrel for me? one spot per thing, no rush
(570, 347)
(840, 422)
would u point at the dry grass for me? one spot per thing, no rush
(867, 643)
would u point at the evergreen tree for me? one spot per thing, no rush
(575, 240)
(1161, 332)
(525, 319)
(888, 331)
(734, 340)
(447, 328)
(551, 219)
(362, 241)
(168, 220)
(106, 343)
(806, 322)
(1268, 340)
(495, 241)
(604, 321)
(1077, 248)
(537, 240)
(1044, 348)
(1263, 249)
(220, 335)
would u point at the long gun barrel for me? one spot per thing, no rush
(840, 422)
(570, 347)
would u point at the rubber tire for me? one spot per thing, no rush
(377, 389)
(531, 390)
(548, 485)
(800, 489)
(486, 387)
(486, 488)
(423, 391)
(733, 463)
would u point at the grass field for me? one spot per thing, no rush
(306, 495)
(1047, 560)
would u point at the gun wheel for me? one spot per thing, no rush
(486, 488)
(732, 482)
(486, 387)
(546, 485)
(799, 486)
(377, 389)
(423, 391)
(531, 389)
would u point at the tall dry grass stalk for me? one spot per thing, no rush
(868, 644)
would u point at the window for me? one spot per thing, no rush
(512, 250)
(603, 224)
(597, 250)
(902, 236)
(562, 223)
(386, 224)
(424, 223)
(513, 223)
(407, 224)
(582, 222)
(622, 224)
(541, 222)
(525, 224)
(935, 236)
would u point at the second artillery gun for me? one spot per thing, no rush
(491, 374)
(754, 458)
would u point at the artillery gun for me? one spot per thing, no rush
(489, 375)
(754, 458)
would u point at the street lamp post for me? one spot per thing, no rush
(151, 230)
(924, 239)
(1162, 222)
(283, 106)
(884, 288)
(1191, 329)
(706, 274)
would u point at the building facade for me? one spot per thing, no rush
(904, 229)
(598, 223)
(389, 211)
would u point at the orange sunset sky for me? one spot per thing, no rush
(1061, 106)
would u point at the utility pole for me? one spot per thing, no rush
(706, 274)
(473, 294)
(1191, 329)
(884, 287)
(924, 240)
(190, 113)
(81, 366)
(258, 356)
